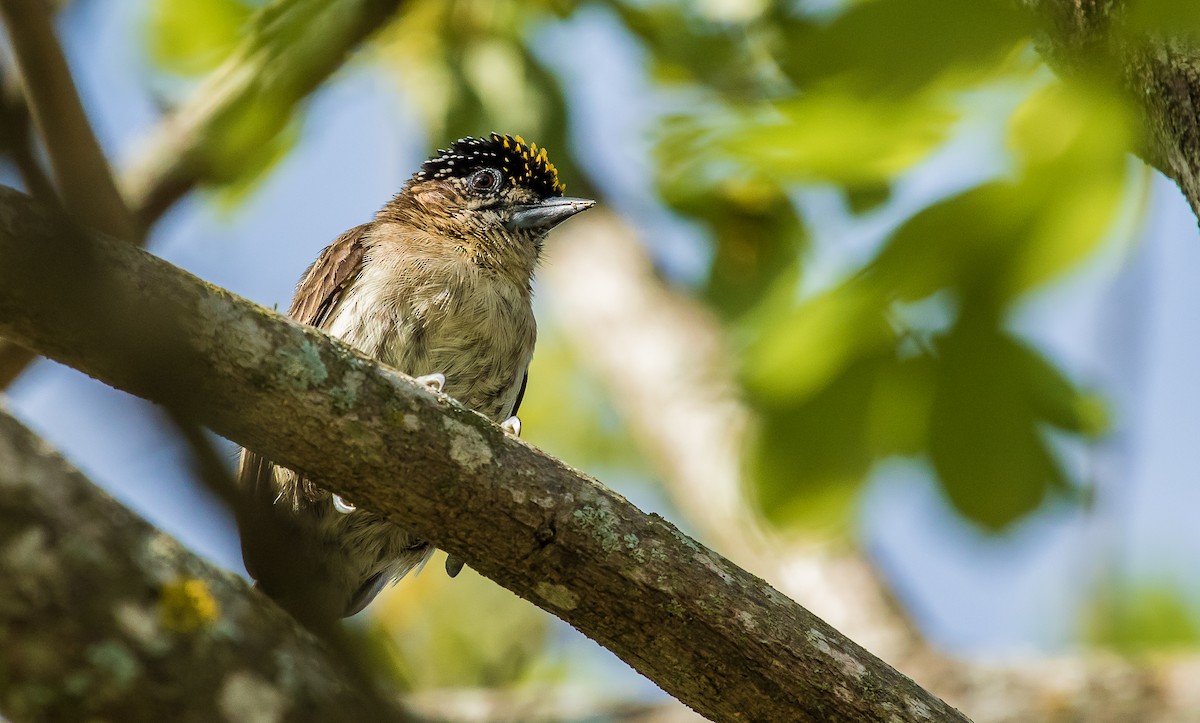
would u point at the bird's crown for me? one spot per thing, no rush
(523, 164)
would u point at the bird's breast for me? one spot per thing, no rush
(475, 328)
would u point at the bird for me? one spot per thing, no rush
(439, 286)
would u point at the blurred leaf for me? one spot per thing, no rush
(972, 397)
(1173, 17)
(832, 135)
(985, 440)
(467, 68)
(234, 181)
(568, 412)
(286, 49)
(960, 241)
(1054, 398)
(756, 231)
(894, 47)
(1007, 237)
(190, 37)
(810, 459)
(1142, 619)
(901, 408)
(797, 352)
(686, 47)
(460, 633)
(866, 198)
(1072, 141)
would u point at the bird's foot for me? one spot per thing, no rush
(434, 381)
(512, 425)
(341, 505)
(453, 565)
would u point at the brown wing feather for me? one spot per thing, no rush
(323, 284)
(272, 541)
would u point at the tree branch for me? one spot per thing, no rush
(291, 48)
(83, 177)
(711, 634)
(660, 354)
(16, 138)
(1161, 76)
(663, 357)
(102, 616)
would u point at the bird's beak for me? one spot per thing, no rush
(547, 214)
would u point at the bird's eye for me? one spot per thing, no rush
(484, 180)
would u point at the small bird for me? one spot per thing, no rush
(438, 286)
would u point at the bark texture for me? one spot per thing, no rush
(289, 49)
(711, 634)
(1160, 75)
(102, 617)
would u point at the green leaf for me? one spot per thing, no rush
(235, 179)
(797, 352)
(810, 459)
(1055, 399)
(866, 198)
(837, 136)
(985, 437)
(686, 47)
(1143, 618)
(895, 47)
(1173, 17)
(191, 37)
(757, 234)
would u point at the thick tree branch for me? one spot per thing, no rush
(102, 616)
(708, 632)
(291, 47)
(1160, 76)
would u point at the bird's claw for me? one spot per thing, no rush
(342, 506)
(433, 381)
(512, 425)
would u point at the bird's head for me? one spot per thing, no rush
(497, 189)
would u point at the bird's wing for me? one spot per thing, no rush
(323, 284)
(521, 394)
(273, 542)
(317, 295)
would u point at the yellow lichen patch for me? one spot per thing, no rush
(187, 605)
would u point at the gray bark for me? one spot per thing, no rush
(711, 634)
(1160, 76)
(102, 617)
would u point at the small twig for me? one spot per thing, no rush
(16, 135)
(289, 49)
(84, 179)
